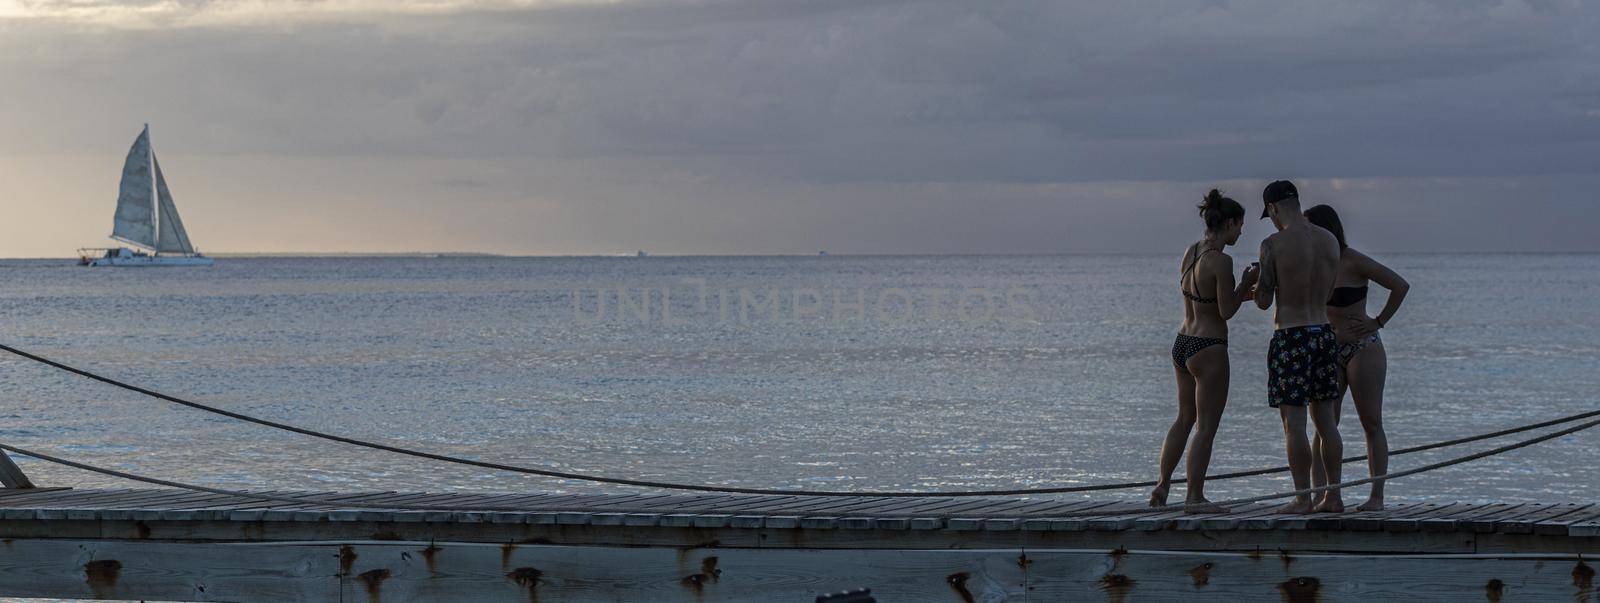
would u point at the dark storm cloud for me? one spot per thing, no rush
(754, 105)
(884, 90)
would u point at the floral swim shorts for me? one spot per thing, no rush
(1302, 366)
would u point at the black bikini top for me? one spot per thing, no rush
(1193, 296)
(1347, 296)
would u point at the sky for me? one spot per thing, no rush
(792, 126)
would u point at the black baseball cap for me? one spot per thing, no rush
(1275, 192)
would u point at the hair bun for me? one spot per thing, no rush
(1216, 210)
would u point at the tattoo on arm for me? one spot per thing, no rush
(1268, 280)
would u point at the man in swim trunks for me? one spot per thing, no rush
(1298, 266)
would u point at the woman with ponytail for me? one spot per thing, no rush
(1200, 354)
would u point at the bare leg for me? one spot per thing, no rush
(1299, 451)
(1210, 368)
(1325, 416)
(1319, 467)
(1319, 470)
(1367, 373)
(1319, 473)
(1177, 436)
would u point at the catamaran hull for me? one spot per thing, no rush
(153, 261)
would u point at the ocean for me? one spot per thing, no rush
(921, 373)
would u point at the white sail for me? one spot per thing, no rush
(134, 220)
(173, 239)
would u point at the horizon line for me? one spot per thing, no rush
(485, 254)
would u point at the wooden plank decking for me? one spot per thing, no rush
(172, 544)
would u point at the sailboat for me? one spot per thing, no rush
(146, 218)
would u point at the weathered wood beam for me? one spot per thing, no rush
(11, 476)
(453, 571)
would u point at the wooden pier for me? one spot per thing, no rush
(182, 545)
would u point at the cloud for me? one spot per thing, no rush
(758, 106)
(170, 13)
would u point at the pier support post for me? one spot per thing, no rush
(11, 476)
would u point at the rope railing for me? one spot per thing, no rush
(300, 500)
(1367, 480)
(1087, 513)
(731, 489)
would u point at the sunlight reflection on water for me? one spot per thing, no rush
(486, 358)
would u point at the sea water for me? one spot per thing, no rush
(921, 373)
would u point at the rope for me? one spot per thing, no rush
(239, 493)
(1308, 491)
(1399, 452)
(1088, 513)
(727, 489)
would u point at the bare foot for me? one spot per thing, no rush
(1201, 507)
(1372, 504)
(1158, 496)
(1330, 504)
(1300, 506)
(1321, 498)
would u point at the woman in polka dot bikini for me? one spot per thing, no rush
(1200, 353)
